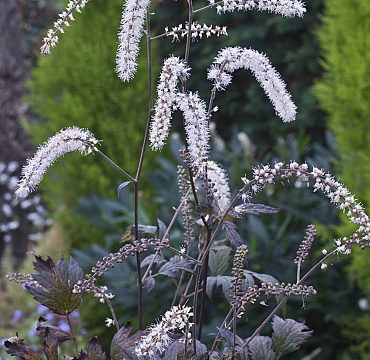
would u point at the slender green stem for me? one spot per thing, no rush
(105, 157)
(72, 333)
(112, 312)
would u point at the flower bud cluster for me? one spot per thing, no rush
(158, 338)
(306, 244)
(22, 278)
(288, 8)
(89, 283)
(67, 140)
(254, 293)
(334, 190)
(197, 31)
(173, 69)
(187, 208)
(51, 38)
(231, 59)
(237, 273)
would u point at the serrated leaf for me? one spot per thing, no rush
(247, 281)
(94, 350)
(172, 267)
(260, 348)
(121, 186)
(162, 228)
(176, 351)
(17, 347)
(122, 345)
(147, 260)
(219, 280)
(129, 233)
(54, 336)
(255, 209)
(288, 335)
(232, 233)
(55, 284)
(219, 259)
(57, 336)
(149, 284)
(262, 277)
(229, 338)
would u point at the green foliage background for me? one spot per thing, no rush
(344, 92)
(77, 86)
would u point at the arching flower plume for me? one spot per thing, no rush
(172, 69)
(131, 31)
(334, 190)
(288, 8)
(70, 139)
(218, 181)
(196, 128)
(233, 58)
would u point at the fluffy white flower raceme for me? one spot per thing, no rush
(70, 139)
(172, 69)
(219, 181)
(131, 31)
(158, 339)
(196, 128)
(233, 58)
(288, 8)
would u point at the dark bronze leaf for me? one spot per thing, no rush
(94, 350)
(122, 345)
(55, 284)
(17, 347)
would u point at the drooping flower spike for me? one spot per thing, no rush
(288, 8)
(196, 129)
(173, 69)
(70, 139)
(218, 180)
(131, 31)
(334, 190)
(233, 58)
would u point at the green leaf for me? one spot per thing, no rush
(260, 348)
(219, 259)
(265, 278)
(288, 335)
(55, 284)
(17, 347)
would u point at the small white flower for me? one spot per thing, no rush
(324, 251)
(324, 266)
(109, 322)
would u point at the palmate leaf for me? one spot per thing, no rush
(288, 335)
(55, 284)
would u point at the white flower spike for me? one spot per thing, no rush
(70, 139)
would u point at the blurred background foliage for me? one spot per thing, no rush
(76, 85)
(344, 93)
